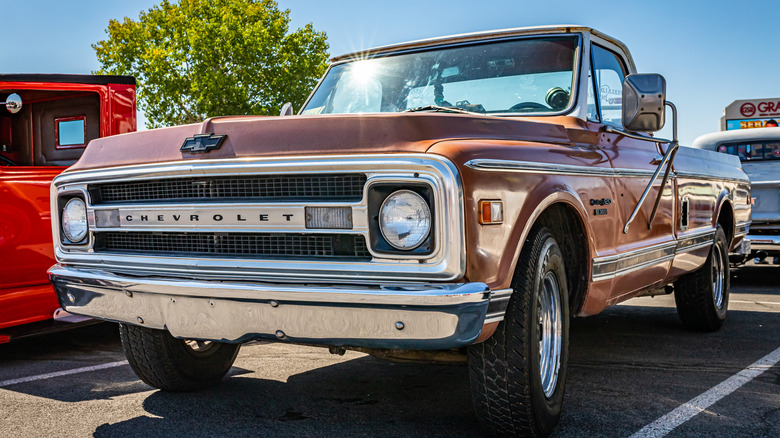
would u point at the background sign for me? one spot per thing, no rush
(752, 113)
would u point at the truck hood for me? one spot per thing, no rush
(260, 136)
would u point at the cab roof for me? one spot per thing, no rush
(481, 36)
(711, 140)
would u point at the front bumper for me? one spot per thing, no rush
(759, 242)
(421, 316)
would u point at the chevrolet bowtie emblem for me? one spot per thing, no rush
(200, 143)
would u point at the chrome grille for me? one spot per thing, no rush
(330, 187)
(244, 245)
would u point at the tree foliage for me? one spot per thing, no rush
(201, 58)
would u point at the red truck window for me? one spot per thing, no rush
(70, 132)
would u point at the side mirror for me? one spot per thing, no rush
(644, 97)
(13, 103)
(287, 109)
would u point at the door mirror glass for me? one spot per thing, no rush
(13, 103)
(644, 97)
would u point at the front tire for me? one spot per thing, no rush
(517, 376)
(171, 364)
(702, 297)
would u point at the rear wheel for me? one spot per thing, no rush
(171, 364)
(702, 297)
(517, 376)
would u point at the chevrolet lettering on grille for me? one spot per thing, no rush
(271, 217)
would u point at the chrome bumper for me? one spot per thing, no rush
(428, 316)
(763, 242)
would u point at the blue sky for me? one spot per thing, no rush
(711, 52)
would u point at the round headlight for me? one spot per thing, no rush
(404, 219)
(74, 220)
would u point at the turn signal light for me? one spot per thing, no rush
(491, 212)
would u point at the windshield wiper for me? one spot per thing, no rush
(448, 109)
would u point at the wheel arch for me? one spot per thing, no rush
(724, 216)
(564, 214)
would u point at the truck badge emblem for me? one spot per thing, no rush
(202, 143)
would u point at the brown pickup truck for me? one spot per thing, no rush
(458, 198)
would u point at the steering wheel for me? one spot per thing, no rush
(5, 161)
(529, 106)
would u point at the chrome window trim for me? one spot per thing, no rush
(446, 263)
(574, 107)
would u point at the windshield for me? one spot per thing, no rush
(531, 75)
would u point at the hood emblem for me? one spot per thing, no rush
(201, 143)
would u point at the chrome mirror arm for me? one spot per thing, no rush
(668, 159)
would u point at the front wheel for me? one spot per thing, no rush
(702, 297)
(171, 364)
(517, 376)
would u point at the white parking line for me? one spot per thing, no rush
(62, 373)
(686, 411)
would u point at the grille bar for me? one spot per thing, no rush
(245, 245)
(331, 187)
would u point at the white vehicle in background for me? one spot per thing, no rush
(759, 151)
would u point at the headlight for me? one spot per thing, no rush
(74, 220)
(404, 220)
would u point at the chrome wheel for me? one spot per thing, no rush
(550, 333)
(718, 275)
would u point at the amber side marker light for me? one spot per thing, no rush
(491, 212)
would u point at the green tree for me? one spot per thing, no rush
(200, 58)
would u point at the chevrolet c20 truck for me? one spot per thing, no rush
(456, 198)
(46, 120)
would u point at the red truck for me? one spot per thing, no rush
(46, 121)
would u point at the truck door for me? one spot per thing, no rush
(644, 254)
(59, 115)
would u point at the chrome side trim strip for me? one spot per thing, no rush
(493, 165)
(490, 165)
(609, 267)
(742, 229)
(499, 300)
(704, 176)
(695, 240)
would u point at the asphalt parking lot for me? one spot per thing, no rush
(633, 371)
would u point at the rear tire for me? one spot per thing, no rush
(702, 297)
(518, 375)
(171, 364)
